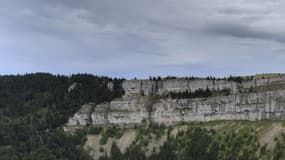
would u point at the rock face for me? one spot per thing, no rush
(145, 100)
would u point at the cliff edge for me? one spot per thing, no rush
(173, 100)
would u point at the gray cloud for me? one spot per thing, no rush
(139, 38)
(246, 31)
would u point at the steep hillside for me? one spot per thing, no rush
(33, 108)
(188, 118)
(47, 117)
(230, 140)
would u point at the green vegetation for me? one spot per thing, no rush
(226, 140)
(200, 93)
(268, 87)
(110, 133)
(95, 130)
(237, 79)
(33, 107)
(267, 75)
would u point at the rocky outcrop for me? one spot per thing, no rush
(160, 87)
(144, 101)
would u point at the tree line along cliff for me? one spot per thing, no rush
(173, 100)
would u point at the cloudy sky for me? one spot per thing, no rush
(138, 38)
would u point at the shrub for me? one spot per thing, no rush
(101, 149)
(95, 130)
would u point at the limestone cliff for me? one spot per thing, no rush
(251, 99)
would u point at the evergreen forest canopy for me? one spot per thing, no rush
(33, 107)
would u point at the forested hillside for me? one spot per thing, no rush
(220, 140)
(33, 107)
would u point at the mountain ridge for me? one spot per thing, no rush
(170, 101)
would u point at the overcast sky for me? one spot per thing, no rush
(138, 38)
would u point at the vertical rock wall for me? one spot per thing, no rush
(142, 102)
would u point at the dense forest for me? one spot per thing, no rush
(33, 107)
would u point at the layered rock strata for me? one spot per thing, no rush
(144, 100)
